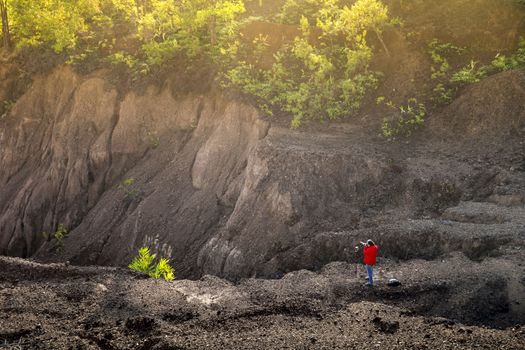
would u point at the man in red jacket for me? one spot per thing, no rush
(370, 255)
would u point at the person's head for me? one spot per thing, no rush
(370, 242)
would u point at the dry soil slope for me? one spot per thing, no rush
(219, 190)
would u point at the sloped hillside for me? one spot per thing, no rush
(206, 180)
(218, 189)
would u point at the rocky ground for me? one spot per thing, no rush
(446, 303)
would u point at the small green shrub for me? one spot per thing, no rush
(449, 80)
(60, 235)
(8, 105)
(501, 63)
(163, 270)
(407, 119)
(127, 188)
(514, 61)
(442, 95)
(145, 263)
(440, 70)
(154, 140)
(469, 74)
(440, 53)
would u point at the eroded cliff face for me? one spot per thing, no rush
(296, 184)
(55, 157)
(217, 189)
(207, 180)
(186, 183)
(68, 143)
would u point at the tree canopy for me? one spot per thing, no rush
(326, 79)
(318, 68)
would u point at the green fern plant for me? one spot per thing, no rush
(163, 270)
(145, 263)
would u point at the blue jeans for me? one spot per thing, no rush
(370, 271)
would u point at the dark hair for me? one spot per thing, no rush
(370, 242)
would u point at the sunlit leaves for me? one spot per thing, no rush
(47, 22)
(192, 28)
(363, 15)
(163, 270)
(145, 263)
(163, 28)
(162, 20)
(323, 75)
(60, 24)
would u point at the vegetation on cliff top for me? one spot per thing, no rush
(326, 76)
(321, 69)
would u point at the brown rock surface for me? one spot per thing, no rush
(219, 190)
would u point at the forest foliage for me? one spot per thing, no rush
(322, 72)
(324, 78)
(132, 31)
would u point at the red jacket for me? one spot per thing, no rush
(370, 253)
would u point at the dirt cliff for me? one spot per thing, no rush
(208, 182)
(69, 141)
(218, 189)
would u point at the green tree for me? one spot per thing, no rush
(167, 29)
(293, 10)
(193, 27)
(365, 15)
(324, 78)
(6, 35)
(63, 24)
(163, 29)
(52, 23)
